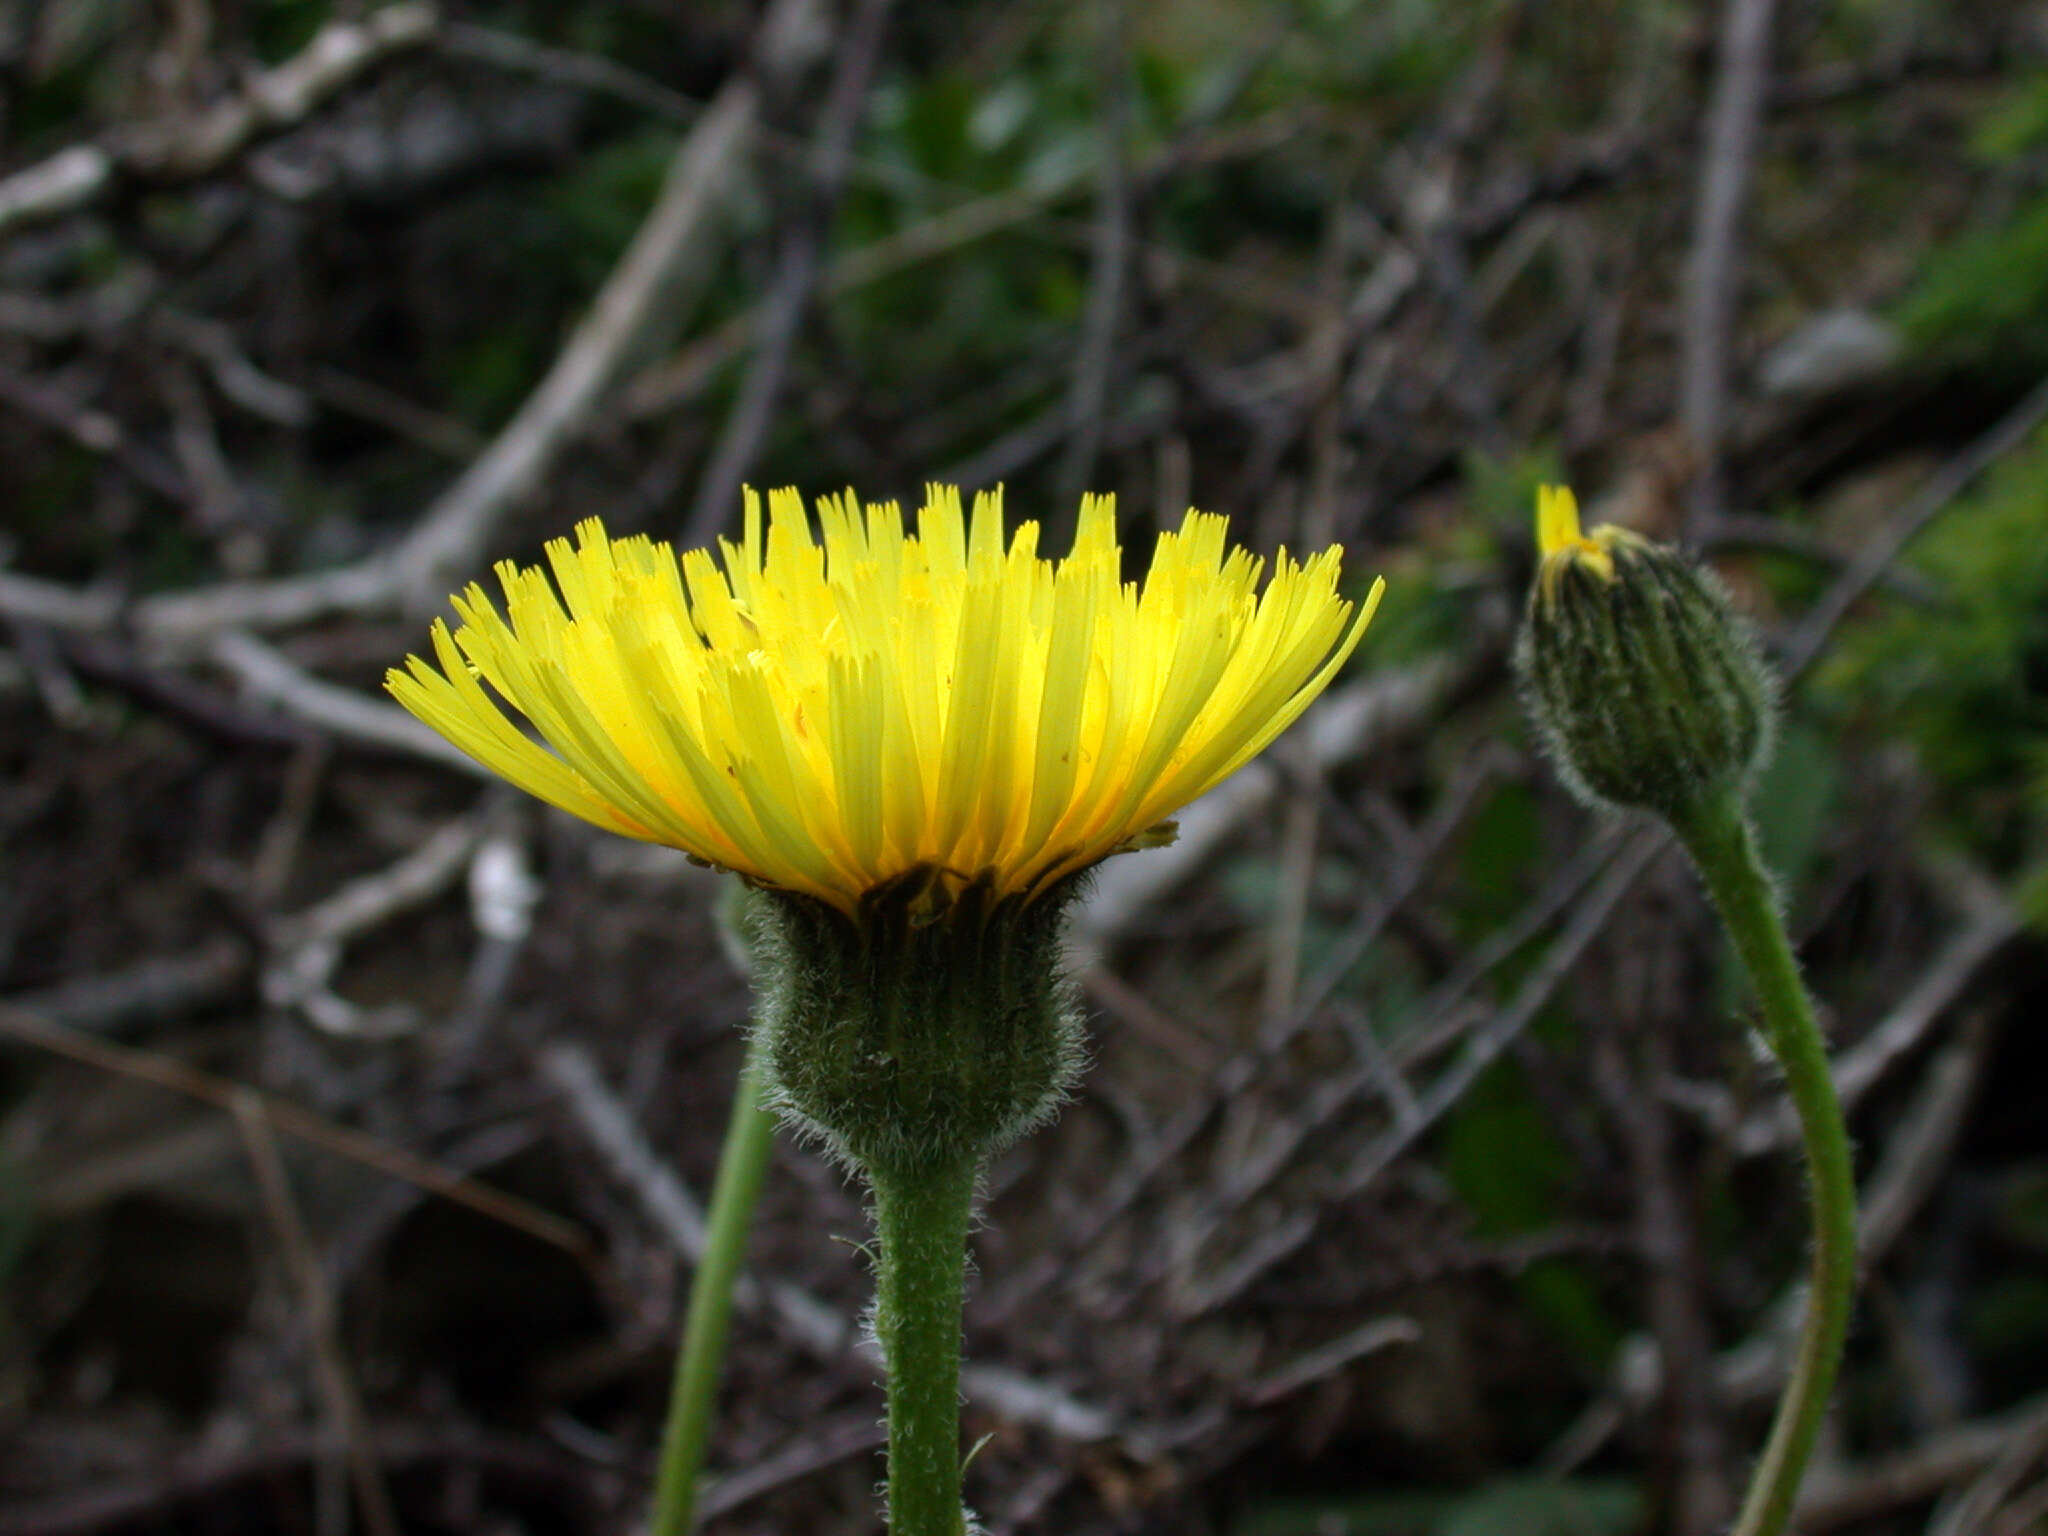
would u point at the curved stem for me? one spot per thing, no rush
(1721, 844)
(921, 1218)
(749, 1137)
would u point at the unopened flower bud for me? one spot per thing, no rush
(1647, 686)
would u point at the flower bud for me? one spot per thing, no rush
(1647, 686)
(916, 1035)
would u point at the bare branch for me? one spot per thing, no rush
(31, 600)
(1110, 259)
(1227, 1280)
(62, 184)
(118, 1002)
(451, 538)
(275, 100)
(331, 1375)
(810, 1322)
(269, 675)
(1728, 156)
(1344, 724)
(796, 275)
(1325, 1360)
(1942, 487)
(1859, 1069)
(180, 1077)
(419, 877)
(1851, 1498)
(668, 1203)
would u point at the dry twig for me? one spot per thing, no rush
(812, 1323)
(797, 268)
(1876, 555)
(1727, 158)
(273, 101)
(330, 1367)
(455, 530)
(180, 1077)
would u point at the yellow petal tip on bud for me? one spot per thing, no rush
(1557, 519)
(1561, 542)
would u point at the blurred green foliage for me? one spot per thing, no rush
(1965, 680)
(1982, 300)
(1513, 1173)
(280, 28)
(1795, 799)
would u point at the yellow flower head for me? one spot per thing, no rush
(834, 718)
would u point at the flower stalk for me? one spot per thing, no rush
(700, 1361)
(1718, 837)
(921, 1220)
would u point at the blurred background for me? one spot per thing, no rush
(355, 1113)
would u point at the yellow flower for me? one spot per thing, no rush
(832, 719)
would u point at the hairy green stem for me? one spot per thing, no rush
(921, 1218)
(749, 1138)
(1718, 837)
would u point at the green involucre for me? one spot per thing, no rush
(1646, 684)
(917, 1038)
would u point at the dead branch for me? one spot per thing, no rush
(270, 676)
(676, 380)
(1668, 1243)
(333, 1379)
(94, 431)
(119, 1002)
(1748, 1373)
(307, 947)
(1933, 498)
(1344, 725)
(1920, 1149)
(403, 1448)
(811, 1323)
(193, 703)
(451, 537)
(1109, 256)
(818, 1447)
(273, 101)
(1727, 159)
(31, 600)
(586, 71)
(1324, 1360)
(1858, 1069)
(1225, 1280)
(26, 1028)
(375, 899)
(1837, 1499)
(795, 283)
